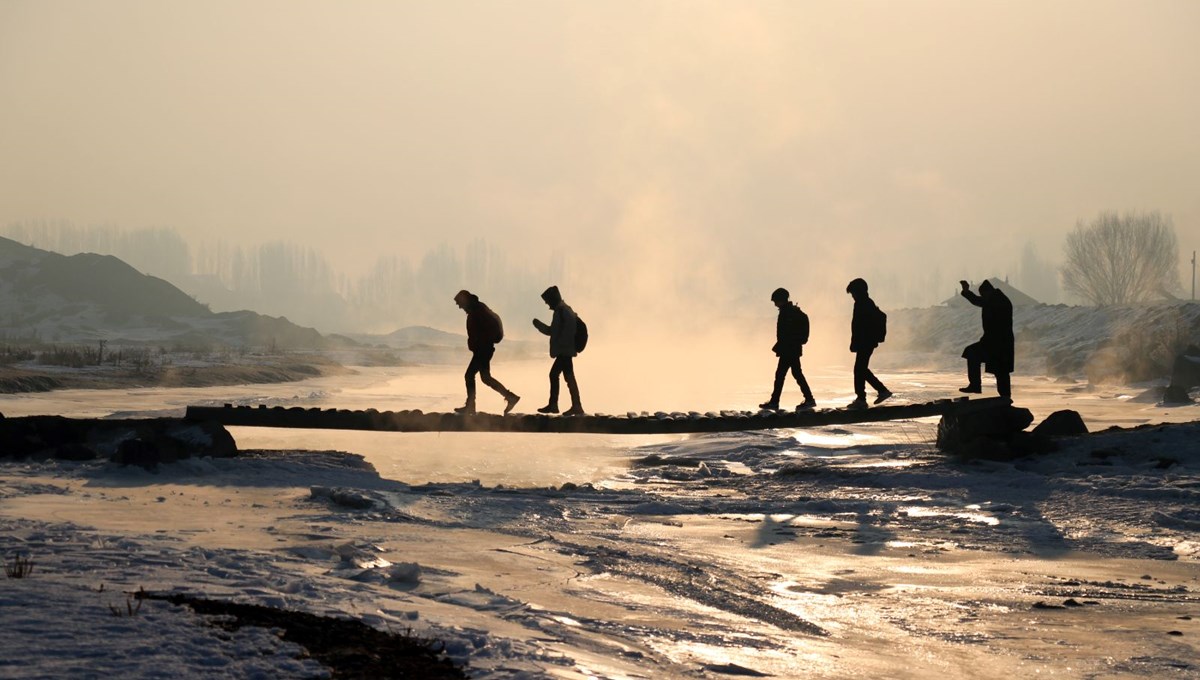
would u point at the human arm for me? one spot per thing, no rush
(970, 296)
(541, 326)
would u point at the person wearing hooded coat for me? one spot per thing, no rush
(864, 338)
(484, 330)
(995, 348)
(562, 348)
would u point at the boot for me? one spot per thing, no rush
(509, 402)
(548, 408)
(466, 409)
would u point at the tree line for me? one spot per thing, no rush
(1115, 258)
(287, 279)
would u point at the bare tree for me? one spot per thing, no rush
(1122, 258)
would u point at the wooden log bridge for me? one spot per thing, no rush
(632, 423)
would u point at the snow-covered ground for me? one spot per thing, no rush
(833, 552)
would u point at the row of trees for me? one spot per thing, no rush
(286, 279)
(1117, 258)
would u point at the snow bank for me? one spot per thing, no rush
(1106, 344)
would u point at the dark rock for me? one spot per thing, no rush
(35, 435)
(986, 448)
(83, 439)
(987, 431)
(1030, 443)
(345, 497)
(75, 452)
(204, 438)
(137, 452)
(348, 647)
(1061, 424)
(1176, 394)
(1185, 372)
(1152, 395)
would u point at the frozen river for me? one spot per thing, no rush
(542, 459)
(852, 551)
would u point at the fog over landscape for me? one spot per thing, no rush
(234, 439)
(672, 158)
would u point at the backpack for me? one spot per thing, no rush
(495, 327)
(802, 326)
(880, 325)
(581, 334)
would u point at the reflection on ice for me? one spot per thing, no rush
(887, 463)
(916, 511)
(833, 437)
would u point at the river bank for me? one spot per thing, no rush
(30, 377)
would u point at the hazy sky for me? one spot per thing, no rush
(662, 146)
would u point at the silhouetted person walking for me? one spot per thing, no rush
(484, 330)
(868, 327)
(561, 330)
(995, 348)
(791, 332)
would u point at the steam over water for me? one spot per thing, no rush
(553, 459)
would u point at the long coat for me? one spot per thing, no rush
(997, 337)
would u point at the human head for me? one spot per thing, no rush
(465, 298)
(551, 297)
(986, 287)
(857, 288)
(780, 296)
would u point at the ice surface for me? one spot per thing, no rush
(837, 552)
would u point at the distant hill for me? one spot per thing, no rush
(81, 298)
(430, 345)
(414, 336)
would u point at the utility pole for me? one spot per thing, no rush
(1193, 276)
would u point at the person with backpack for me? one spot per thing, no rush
(484, 330)
(995, 348)
(567, 336)
(868, 328)
(791, 332)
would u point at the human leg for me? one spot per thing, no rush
(860, 380)
(485, 372)
(568, 371)
(798, 374)
(863, 377)
(1004, 385)
(781, 370)
(469, 377)
(555, 371)
(974, 354)
(861, 360)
